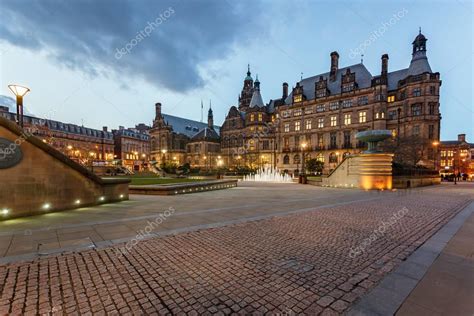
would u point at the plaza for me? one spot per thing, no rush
(256, 248)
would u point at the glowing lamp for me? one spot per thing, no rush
(19, 92)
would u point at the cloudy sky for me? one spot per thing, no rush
(104, 62)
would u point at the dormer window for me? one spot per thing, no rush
(297, 98)
(348, 87)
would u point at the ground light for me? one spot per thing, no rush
(5, 211)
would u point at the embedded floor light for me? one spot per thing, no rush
(5, 211)
(101, 198)
(46, 206)
(19, 92)
(77, 202)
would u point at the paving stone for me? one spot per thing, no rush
(299, 262)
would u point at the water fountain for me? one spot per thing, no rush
(268, 174)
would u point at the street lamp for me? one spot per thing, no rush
(19, 92)
(303, 148)
(164, 151)
(435, 162)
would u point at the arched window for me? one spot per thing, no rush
(296, 158)
(286, 160)
(332, 158)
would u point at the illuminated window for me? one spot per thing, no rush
(443, 153)
(298, 98)
(394, 132)
(320, 122)
(443, 163)
(320, 108)
(297, 112)
(362, 117)
(260, 117)
(252, 128)
(308, 124)
(391, 98)
(347, 119)
(287, 127)
(252, 117)
(333, 120)
(297, 126)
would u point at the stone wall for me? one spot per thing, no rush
(45, 180)
(406, 182)
(364, 171)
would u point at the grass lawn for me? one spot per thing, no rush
(149, 179)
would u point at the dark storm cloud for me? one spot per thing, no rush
(85, 35)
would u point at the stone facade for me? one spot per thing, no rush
(324, 112)
(132, 147)
(456, 156)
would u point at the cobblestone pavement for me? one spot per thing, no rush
(293, 264)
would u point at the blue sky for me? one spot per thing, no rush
(66, 52)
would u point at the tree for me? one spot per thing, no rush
(314, 165)
(408, 150)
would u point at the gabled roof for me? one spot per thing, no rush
(185, 126)
(206, 133)
(256, 100)
(362, 76)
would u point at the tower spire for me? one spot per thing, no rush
(202, 109)
(210, 117)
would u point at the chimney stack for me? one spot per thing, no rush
(104, 129)
(384, 64)
(285, 90)
(461, 137)
(157, 110)
(334, 65)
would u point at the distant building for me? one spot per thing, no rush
(85, 145)
(203, 149)
(132, 147)
(456, 156)
(175, 139)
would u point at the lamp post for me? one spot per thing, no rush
(163, 151)
(454, 167)
(303, 148)
(435, 159)
(19, 92)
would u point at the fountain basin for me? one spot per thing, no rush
(372, 138)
